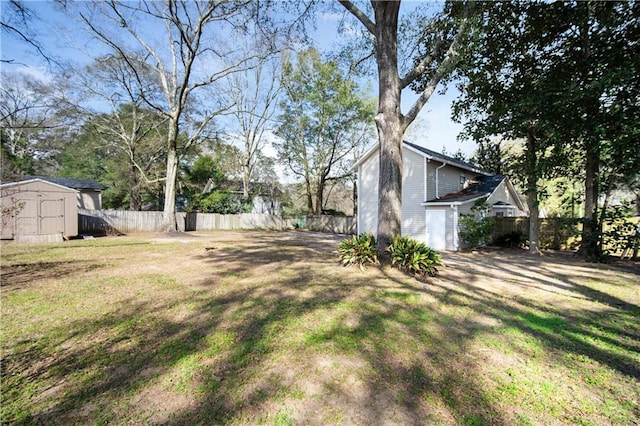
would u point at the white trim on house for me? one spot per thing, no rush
(23, 182)
(359, 183)
(366, 155)
(457, 197)
(521, 204)
(452, 203)
(460, 165)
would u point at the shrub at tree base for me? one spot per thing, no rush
(407, 255)
(414, 257)
(359, 250)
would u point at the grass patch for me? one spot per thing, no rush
(267, 328)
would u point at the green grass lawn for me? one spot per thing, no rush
(268, 328)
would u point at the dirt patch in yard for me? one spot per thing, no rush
(267, 327)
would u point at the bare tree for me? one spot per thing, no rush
(255, 93)
(192, 56)
(17, 22)
(434, 64)
(130, 127)
(32, 112)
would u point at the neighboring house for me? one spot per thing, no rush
(89, 190)
(36, 210)
(266, 198)
(436, 190)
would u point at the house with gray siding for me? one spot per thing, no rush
(436, 190)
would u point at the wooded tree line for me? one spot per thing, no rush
(561, 78)
(177, 120)
(555, 82)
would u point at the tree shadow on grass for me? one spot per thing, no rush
(578, 327)
(19, 275)
(273, 325)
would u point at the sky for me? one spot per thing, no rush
(433, 128)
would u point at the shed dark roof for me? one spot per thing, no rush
(68, 182)
(446, 158)
(478, 187)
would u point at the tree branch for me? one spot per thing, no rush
(353, 9)
(440, 73)
(421, 67)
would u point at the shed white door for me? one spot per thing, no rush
(52, 216)
(26, 220)
(436, 235)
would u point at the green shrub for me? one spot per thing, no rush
(359, 250)
(224, 202)
(413, 256)
(476, 229)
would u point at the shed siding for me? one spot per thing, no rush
(368, 195)
(413, 219)
(47, 209)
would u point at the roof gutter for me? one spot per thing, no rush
(452, 203)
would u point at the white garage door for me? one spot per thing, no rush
(436, 220)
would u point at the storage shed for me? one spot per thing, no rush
(89, 191)
(35, 210)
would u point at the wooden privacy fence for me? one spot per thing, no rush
(555, 233)
(101, 222)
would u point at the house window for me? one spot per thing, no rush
(499, 214)
(463, 179)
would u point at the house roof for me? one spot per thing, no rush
(446, 159)
(431, 155)
(68, 182)
(480, 186)
(27, 181)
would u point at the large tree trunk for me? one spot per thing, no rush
(531, 161)
(589, 246)
(309, 196)
(355, 198)
(169, 221)
(245, 181)
(534, 222)
(135, 200)
(319, 198)
(389, 125)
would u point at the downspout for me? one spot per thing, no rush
(359, 184)
(455, 227)
(437, 180)
(426, 160)
(426, 195)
